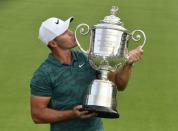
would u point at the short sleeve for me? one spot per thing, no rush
(40, 84)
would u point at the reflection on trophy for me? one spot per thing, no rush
(108, 41)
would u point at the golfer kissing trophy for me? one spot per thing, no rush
(106, 53)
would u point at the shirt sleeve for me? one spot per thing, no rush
(40, 84)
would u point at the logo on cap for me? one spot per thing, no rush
(57, 21)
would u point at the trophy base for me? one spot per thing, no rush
(103, 112)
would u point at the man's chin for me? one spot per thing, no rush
(75, 44)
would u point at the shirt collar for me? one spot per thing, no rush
(54, 60)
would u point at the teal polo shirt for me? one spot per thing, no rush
(67, 86)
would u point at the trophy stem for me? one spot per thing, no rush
(104, 74)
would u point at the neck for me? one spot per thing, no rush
(64, 56)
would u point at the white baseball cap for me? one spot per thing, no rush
(53, 27)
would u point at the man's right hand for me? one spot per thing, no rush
(82, 114)
(42, 114)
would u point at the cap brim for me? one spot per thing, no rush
(67, 23)
(69, 20)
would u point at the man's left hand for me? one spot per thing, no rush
(134, 55)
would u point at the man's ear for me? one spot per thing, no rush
(52, 44)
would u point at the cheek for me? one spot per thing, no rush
(70, 41)
(66, 44)
(62, 41)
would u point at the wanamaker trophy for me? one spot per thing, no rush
(106, 53)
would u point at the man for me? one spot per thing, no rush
(60, 84)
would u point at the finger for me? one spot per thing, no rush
(137, 53)
(137, 58)
(126, 51)
(78, 107)
(83, 113)
(89, 115)
(140, 49)
(140, 54)
(134, 58)
(130, 59)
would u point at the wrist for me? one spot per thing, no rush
(70, 114)
(129, 64)
(75, 113)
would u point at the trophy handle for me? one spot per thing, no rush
(84, 30)
(137, 37)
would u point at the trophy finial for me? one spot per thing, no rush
(113, 19)
(114, 10)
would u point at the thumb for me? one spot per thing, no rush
(126, 53)
(141, 48)
(78, 107)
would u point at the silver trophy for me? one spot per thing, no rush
(106, 53)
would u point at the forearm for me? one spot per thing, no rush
(47, 115)
(121, 77)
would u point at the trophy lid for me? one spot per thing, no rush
(112, 21)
